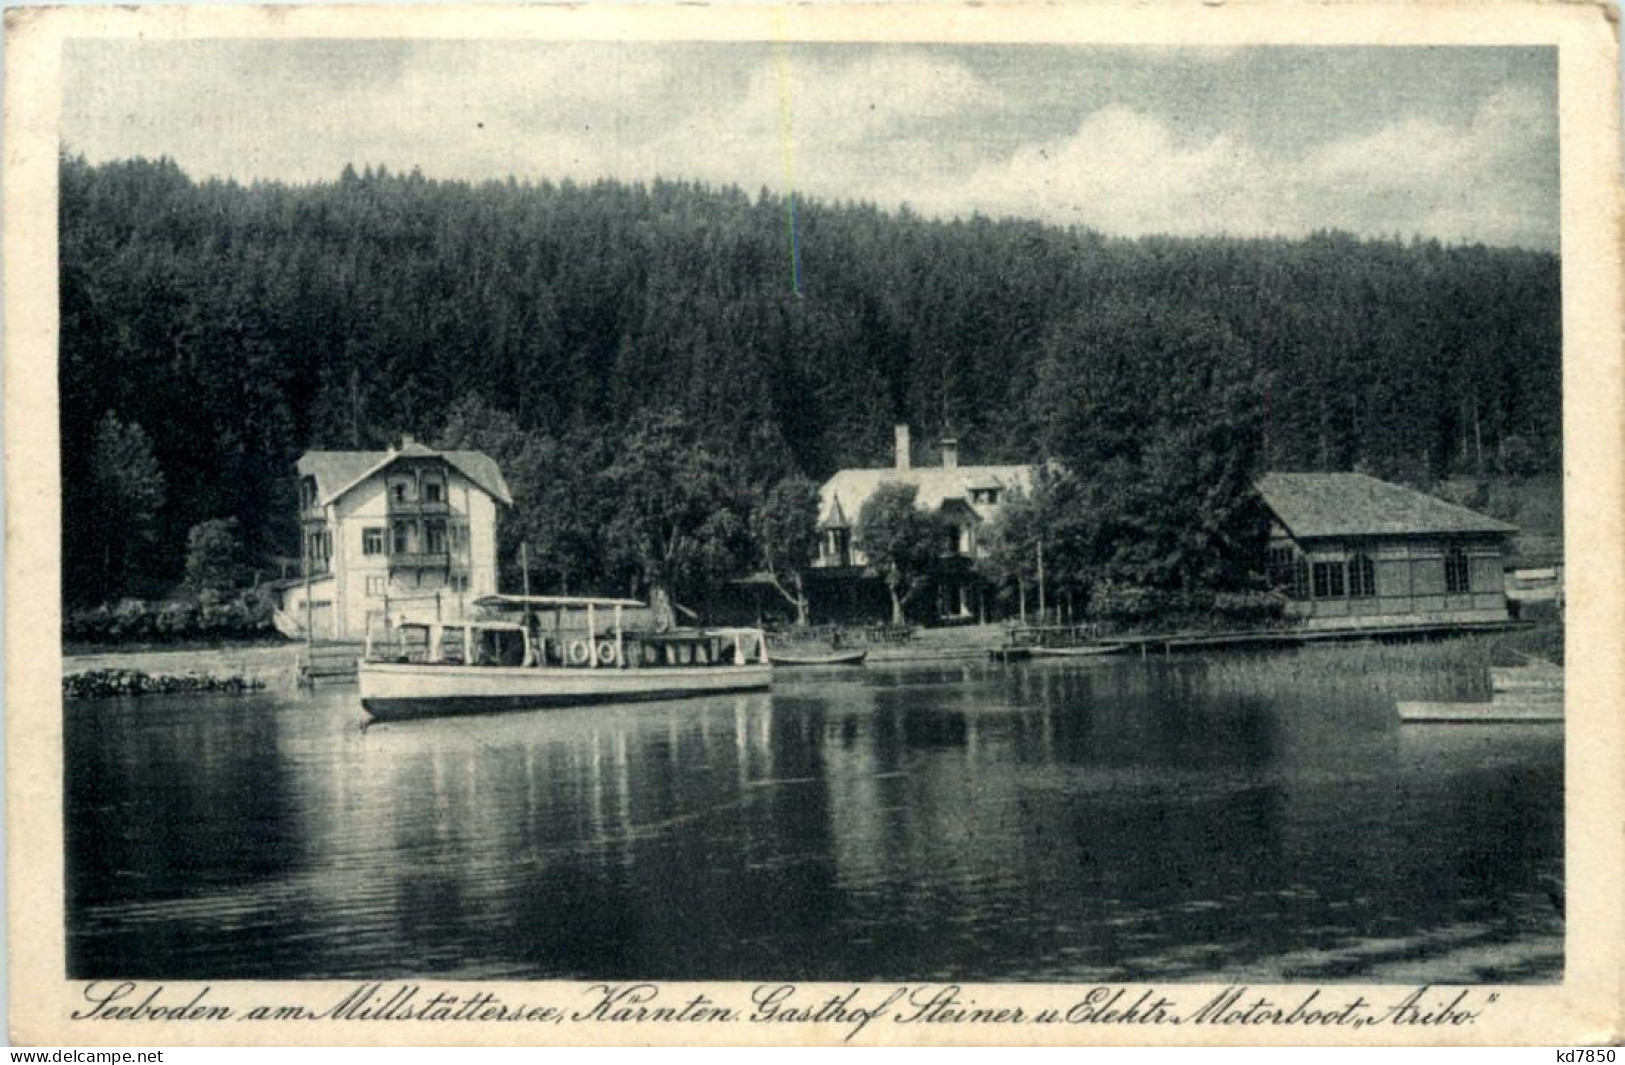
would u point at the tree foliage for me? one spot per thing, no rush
(212, 556)
(784, 530)
(240, 325)
(127, 491)
(674, 520)
(1155, 415)
(1009, 544)
(902, 541)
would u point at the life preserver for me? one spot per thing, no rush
(580, 652)
(606, 652)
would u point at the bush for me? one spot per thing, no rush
(1249, 609)
(176, 619)
(1134, 605)
(131, 620)
(1131, 603)
(211, 555)
(210, 616)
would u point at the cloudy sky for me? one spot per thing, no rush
(1455, 143)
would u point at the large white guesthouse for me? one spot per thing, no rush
(409, 533)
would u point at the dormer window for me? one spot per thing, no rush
(984, 496)
(433, 492)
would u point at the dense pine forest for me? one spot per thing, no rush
(213, 331)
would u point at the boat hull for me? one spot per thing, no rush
(1501, 711)
(393, 691)
(1077, 652)
(1527, 679)
(844, 658)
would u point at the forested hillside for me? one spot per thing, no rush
(237, 326)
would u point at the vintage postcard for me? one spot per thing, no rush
(1072, 523)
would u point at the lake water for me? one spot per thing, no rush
(1058, 821)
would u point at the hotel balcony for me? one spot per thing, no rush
(419, 509)
(421, 560)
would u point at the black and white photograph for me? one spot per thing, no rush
(778, 511)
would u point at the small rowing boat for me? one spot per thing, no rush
(1501, 711)
(1081, 651)
(834, 658)
(1544, 677)
(430, 669)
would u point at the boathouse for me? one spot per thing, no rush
(1350, 550)
(408, 533)
(965, 498)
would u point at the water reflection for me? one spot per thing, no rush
(1057, 822)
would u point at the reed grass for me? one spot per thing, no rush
(1444, 669)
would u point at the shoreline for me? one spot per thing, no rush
(276, 667)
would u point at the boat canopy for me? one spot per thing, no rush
(555, 602)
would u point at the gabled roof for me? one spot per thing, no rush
(1312, 505)
(937, 485)
(835, 517)
(337, 472)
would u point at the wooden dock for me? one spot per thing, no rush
(1299, 637)
(1023, 644)
(329, 662)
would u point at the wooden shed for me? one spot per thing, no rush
(1351, 550)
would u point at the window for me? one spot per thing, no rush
(1362, 576)
(836, 545)
(1300, 578)
(1280, 561)
(1289, 571)
(375, 587)
(400, 490)
(372, 541)
(1328, 580)
(989, 496)
(307, 493)
(1457, 574)
(434, 537)
(433, 492)
(403, 538)
(459, 583)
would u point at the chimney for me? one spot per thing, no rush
(902, 447)
(950, 453)
(407, 440)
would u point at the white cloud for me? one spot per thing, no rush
(1492, 179)
(827, 127)
(890, 125)
(1120, 171)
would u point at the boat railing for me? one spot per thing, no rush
(489, 644)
